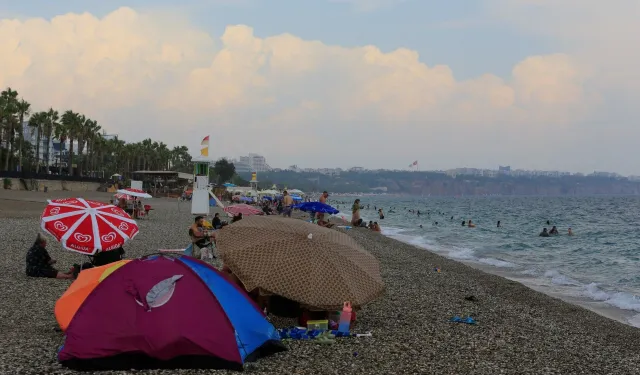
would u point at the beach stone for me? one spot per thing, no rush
(519, 331)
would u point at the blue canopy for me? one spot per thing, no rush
(229, 184)
(316, 207)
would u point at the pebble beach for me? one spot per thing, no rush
(518, 330)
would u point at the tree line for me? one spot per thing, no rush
(90, 152)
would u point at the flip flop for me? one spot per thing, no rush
(467, 320)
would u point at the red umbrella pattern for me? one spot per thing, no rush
(134, 193)
(243, 209)
(123, 196)
(87, 227)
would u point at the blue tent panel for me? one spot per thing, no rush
(252, 329)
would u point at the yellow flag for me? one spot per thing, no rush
(204, 151)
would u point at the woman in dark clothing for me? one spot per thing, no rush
(40, 264)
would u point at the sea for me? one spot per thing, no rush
(597, 267)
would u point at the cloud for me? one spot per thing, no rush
(605, 34)
(148, 74)
(369, 5)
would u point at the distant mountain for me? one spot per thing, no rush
(438, 184)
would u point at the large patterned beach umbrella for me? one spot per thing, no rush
(87, 227)
(303, 262)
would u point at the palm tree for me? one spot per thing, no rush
(72, 121)
(61, 133)
(49, 127)
(24, 108)
(10, 102)
(92, 133)
(36, 122)
(84, 133)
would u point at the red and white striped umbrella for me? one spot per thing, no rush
(123, 196)
(134, 193)
(87, 227)
(243, 209)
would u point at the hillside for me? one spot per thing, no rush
(437, 184)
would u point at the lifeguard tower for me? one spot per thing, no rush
(200, 196)
(254, 181)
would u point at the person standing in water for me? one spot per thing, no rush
(381, 214)
(499, 225)
(544, 233)
(569, 232)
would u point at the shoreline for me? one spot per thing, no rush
(628, 317)
(519, 331)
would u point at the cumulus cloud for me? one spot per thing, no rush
(142, 74)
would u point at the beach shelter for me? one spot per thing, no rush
(160, 311)
(306, 263)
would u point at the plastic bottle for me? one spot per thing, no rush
(345, 318)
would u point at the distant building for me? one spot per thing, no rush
(251, 163)
(53, 147)
(504, 170)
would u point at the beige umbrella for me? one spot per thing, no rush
(303, 262)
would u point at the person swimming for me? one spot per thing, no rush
(464, 223)
(554, 231)
(544, 233)
(569, 232)
(471, 225)
(499, 225)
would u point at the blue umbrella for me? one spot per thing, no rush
(228, 184)
(267, 198)
(246, 199)
(296, 197)
(316, 207)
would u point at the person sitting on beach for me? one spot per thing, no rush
(325, 223)
(471, 225)
(217, 222)
(355, 213)
(40, 264)
(370, 226)
(554, 231)
(544, 233)
(237, 217)
(376, 227)
(197, 233)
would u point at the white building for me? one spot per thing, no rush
(52, 148)
(255, 162)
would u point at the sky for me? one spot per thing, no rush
(535, 84)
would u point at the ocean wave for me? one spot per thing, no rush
(621, 300)
(560, 279)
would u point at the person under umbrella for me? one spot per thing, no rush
(40, 264)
